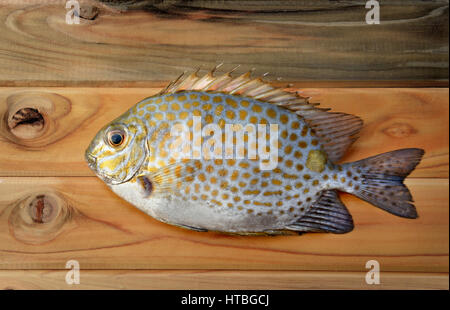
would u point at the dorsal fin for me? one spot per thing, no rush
(336, 131)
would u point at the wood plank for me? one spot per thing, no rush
(299, 41)
(218, 280)
(394, 118)
(81, 219)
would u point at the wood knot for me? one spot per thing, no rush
(26, 123)
(31, 118)
(42, 209)
(399, 130)
(39, 217)
(89, 12)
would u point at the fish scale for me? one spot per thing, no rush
(232, 194)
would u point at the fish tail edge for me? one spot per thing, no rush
(382, 177)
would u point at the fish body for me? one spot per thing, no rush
(238, 155)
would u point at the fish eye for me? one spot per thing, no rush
(116, 138)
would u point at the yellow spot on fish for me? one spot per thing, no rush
(276, 182)
(316, 160)
(256, 108)
(230, 114)
(244, 164)
(184, 115)
(302, 144)
(219, 110)
(284, 118)
(242, 114)
(271, 113)
(175, 106)
(209, 119)
(231, 102)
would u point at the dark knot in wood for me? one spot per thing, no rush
(26, 123)
(40, 217)
(33, 118)
(42, 209)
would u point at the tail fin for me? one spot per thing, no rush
(382, 178)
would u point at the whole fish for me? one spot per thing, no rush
(238, 155)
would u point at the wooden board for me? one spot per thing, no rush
(298, 41)
(80, 77)
(394, 118)
(85, 221)
(224, 280)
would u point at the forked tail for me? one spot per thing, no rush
(381, 180)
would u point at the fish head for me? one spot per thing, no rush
(118, 150)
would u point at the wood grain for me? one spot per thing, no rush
(105, 232)
(298, 41)
(394, 118)
(217, 279)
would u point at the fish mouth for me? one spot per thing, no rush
(92, 163)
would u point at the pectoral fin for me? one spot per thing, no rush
(167, 179)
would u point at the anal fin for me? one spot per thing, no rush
(328, 214)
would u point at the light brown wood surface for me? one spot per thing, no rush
(297, 40)
(52, 208)
(70, 80)
(104, 232)
(393, 118)
(218, 279)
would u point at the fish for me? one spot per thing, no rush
(238, 155)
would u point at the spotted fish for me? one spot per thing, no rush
(285, 183)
